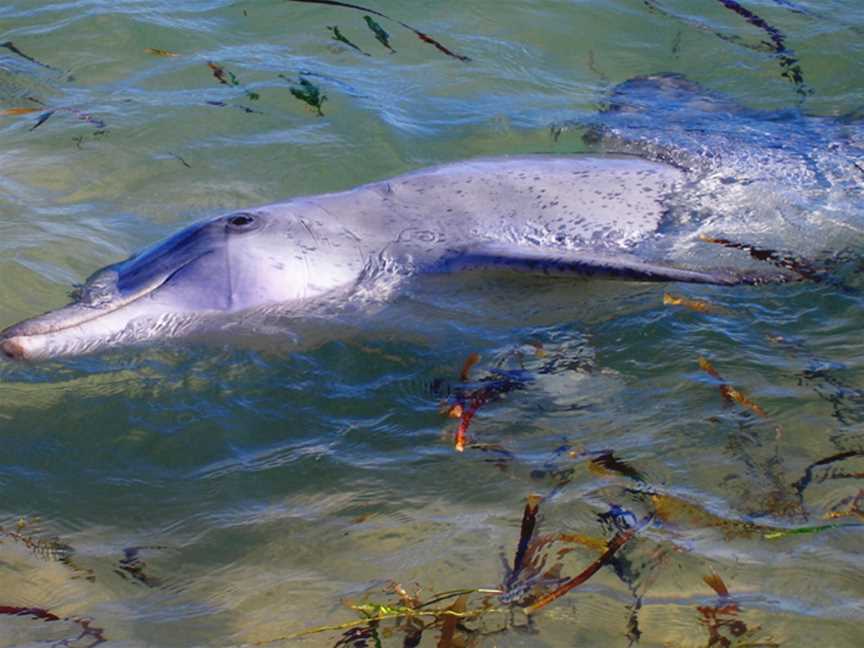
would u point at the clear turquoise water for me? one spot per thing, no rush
(277, 483)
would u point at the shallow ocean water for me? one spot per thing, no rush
(266, 485)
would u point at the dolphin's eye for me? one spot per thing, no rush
(242, 222)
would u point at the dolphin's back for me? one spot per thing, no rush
(554, 201)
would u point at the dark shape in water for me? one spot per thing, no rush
(608, 461)
(132, 566)
(380, 34)
(421, 35)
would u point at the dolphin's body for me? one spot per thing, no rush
(543, 214)
(689, 154)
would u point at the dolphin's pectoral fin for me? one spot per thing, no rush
(585, 263)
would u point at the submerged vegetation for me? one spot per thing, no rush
(642, 524)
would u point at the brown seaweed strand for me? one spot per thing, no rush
(695, 24)
(801, 485)
(529, 524)
(97, 635)
(800, 267)
(614, 545)
(788, 61)
(426, 38)
(11, 47)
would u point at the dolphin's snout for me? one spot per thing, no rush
(13, 349)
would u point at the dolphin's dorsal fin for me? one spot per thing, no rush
(586, 263)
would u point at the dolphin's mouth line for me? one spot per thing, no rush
(92, 313)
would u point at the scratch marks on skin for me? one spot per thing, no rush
(308, 230)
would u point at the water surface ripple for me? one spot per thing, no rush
(230, 492)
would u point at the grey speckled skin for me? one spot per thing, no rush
(539, 214)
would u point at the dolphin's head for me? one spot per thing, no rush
(226, 264)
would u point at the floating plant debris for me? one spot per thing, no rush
(788, 61)
(654, 6)
(421, 35)
(731, 394)
(526, 534)
(501, 458)
(180, 159)
(846, 401)
(606, 462)
(42, 119)
(406, 616)
(19, 111)
(638, 571)
(81, 115)
(534, 581)
(380, 34)
(801, 267)
(692, 304)
(468, 365)
(801, 485)
(679, 512)
(12, 48)
(725, 628)
(132, 566)
(226, 77)
(310, 94)
(339, 36)
(783, 533)
(600, 462)
(51, 548)
(222, 75)
(246, 109)
(160, 52)
(466, 399)
(619, 540)
(854, 510)
(88, 630)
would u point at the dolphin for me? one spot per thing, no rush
(663, 154)
(543, 214)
